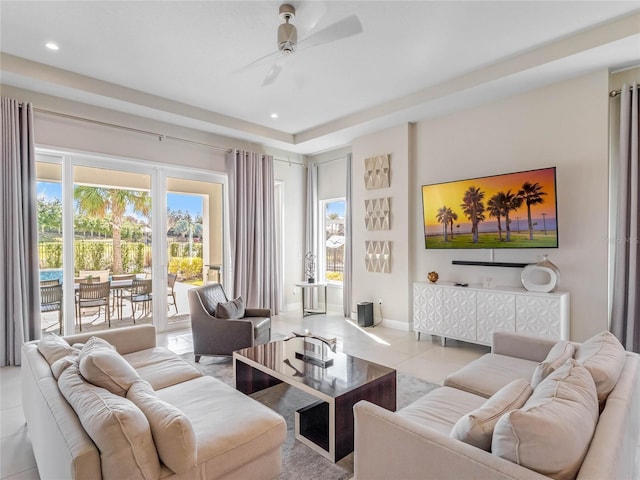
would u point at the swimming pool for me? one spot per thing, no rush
(51, 274)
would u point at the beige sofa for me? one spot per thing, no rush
(166, 419)
(530, 409)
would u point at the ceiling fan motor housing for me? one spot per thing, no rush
(287, 33)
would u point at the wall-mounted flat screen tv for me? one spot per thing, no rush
(513, 210)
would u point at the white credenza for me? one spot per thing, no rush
(473, 313)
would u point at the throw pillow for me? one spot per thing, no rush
(53, 348)
(63, 363)
(232, 309)
(102, 366)
(604, 356)
(172, 431)
(117, 427)
(558, 355)
(476, 428)
(551, 433)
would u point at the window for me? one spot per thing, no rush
(333, 244)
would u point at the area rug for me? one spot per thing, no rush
(299, 462)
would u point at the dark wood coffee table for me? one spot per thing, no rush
(326, 425)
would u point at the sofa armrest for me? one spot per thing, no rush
(390, 446)
(517, 345)
(257, 312)
(126, 339)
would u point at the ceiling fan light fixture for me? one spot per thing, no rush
(287, 32)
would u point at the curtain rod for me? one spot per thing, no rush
(160, 136)
(615, 93)
(290, 162)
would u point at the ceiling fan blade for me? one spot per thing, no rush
(260, 61)
(344, 28)
(272, 74)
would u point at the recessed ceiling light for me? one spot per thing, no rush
(274, 115)
(52, 46)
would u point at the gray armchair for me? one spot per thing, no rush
(219, 336)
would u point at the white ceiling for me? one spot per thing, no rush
(177, 61)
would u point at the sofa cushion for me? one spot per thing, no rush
(604, 357)
(172, 431)
(230, 427)
(63, 363)
(552, 432)
(441, 408)
(161, 367)
(102, 366)
(117, 427)
(558, 355)
(489, 373)
(476, 428)
(53, 348)
(232, 309)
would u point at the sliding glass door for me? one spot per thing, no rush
(194, 237)
(99, 240)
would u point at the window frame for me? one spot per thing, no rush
(322, 239)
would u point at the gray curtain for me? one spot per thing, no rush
(346, 279)
(19, 281)
(625, 308)
(252, 223)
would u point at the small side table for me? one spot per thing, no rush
(309, 311)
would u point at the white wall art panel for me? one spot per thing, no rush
(377, 212)
(378, 256)
(376, 172)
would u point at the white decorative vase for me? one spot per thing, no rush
(541, 277)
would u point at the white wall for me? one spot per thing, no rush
(563, 125)
(394, 287)
(294, 179)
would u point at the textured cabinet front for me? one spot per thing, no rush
(496, 311)
(459, 313)
(474, 313)
(539, 316)
(427, 309)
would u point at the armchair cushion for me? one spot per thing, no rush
(230, 310)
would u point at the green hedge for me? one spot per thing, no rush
(188, 268)
(181, 249)
(98, 254)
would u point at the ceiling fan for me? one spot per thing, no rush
(287, 39)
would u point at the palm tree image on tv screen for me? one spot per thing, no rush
(514, 210)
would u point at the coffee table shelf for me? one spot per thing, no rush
(326, 425)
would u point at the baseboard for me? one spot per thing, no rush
(290, 307)
(394, 324)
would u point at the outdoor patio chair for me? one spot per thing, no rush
(49, 283)
(171, 282)
(140, 293)
(95, 275)
(92, 295)
(117, 294)
(51, 300)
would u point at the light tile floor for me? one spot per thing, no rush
(425, 359)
